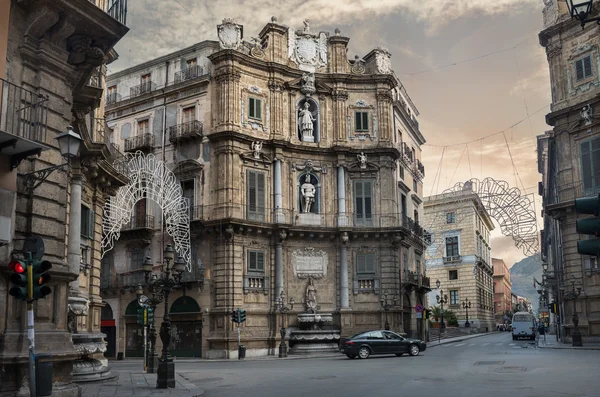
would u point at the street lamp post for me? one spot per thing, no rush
(162, 286)
(581, 10)
(467, 305)
(385, 305)
(441, 300)
(280, 305)
(576, 337)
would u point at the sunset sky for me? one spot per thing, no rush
(472, 67)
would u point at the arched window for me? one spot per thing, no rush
(302, 119)
(306, 191)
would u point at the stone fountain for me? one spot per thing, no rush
(316, 332)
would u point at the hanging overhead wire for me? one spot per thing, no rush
(458, 164)
(517, 176)
(438, 173)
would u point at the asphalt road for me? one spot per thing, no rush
(491, 365)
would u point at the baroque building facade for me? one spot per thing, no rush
(502, 292)
(460, 255)
(569, 161)
(52, 57)
(302, 168)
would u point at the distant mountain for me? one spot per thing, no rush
(521, 276)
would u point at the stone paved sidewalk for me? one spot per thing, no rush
(552, 343)
(138, 384)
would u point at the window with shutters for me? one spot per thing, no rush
(361, 121)
(255, 195)
(191, 63)
(256, 261)
(146, 83)
(136, 259)
(189, 114)
(87, 222)
(363, 203)
(452, 249)
(365, 263)
(143, 127)
(450, 217)
(583, 68)
(255, 108)
(590, 166)
(454, 297)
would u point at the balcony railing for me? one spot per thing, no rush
(108, 282)
(406, 153)
(143, 141)
(366, 283)
(420, 169)
(256, 283)
(410, 277)
(131, 279)
(188, 74)
(112, 98)
(189, 129)
(23, 113)
(194, 275)
(425, 282)
(570, 191)
(452, 259)
(115, 8)
(139, 222)
(144, 88)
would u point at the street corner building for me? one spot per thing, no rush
(53, 56)
(569, 161)
(460, 255)
(302, 172)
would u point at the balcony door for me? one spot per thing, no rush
(363, 203)
(188, 118)
(139, 219)
(189, 194)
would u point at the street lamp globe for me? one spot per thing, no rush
(139, 290)
(545, 266)
(69, 143)
(438, 283)
(179, 265)
(147, 265)
(168, 253)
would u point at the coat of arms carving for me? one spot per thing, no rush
(383, 62)
(230, 34)
(308, 50)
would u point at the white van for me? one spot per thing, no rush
(523, 325)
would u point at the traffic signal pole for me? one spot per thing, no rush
(30, 326)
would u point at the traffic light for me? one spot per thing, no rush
(241, 315)
(18, 279)
(554, 308)
(428, 313)
(150, 315)
(40, 279)
(235, 316)
(591, 226)
(140, 316)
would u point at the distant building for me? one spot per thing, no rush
(459, 255)
(502, 291)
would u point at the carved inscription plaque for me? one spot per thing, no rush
(309, 262)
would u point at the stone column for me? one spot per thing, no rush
(279, 264)
(74, 242)
(344, 301)
(277, 193)
(341, 192)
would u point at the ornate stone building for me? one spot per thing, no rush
(569, 161)
(502, 291)
(460, 255)
(299, 165)
(52, 54)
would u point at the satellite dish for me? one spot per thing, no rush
(35, 245)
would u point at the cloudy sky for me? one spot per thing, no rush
(473, 68)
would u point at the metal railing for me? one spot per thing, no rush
(131, 279)
(410, 277)
(420, 168)
(108, 282)
(112, 97)
(570, 191)
(139, 142)
(188, 74)
(139, 222)
(115, 8)
(194, 275)
(452, 259)
(99, 130)
(23, 113)
(143, 88)
(185, 130)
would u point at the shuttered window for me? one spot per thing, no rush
(256, 261)
(87, 222)
(255, 195)
(361, 121)
(363, 202)
(583, 67)
(137, 259)
(590, 166)
(255, 108)
(365, 263)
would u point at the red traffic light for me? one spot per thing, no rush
(17, 266)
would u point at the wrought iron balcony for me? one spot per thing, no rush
(195, 275)
(144, 88)
(139, 222)
(452, 259)
(23, 122)
(141, 142)
(112, 98)
(406, 153)
(188, 74)
(565, 194)
(130, 280)
(425, 282)
(115, 8)
(409, 279)
(420, 169)
(190, 129)
(108, 283)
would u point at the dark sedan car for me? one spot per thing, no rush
(380, 342)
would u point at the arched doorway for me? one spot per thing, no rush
(186, 327)
(134, 343)
(406, 311)
(108, 327)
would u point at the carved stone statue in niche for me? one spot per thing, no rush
(307, 84)
(308, 191)
(362, 159)
(306, 120)
(256, 149)
(311, 297)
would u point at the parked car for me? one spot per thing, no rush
(380, 342)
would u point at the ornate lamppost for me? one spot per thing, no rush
(162, 285)
(467, 305)
(576, 336)
(157, 297)
(581, 10)
(280, 305)
(441, 300)
(386, 305)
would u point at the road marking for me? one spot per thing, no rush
(460, 344)
(485, 344)
(498, 344)
(512, 344)
(471, 344)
